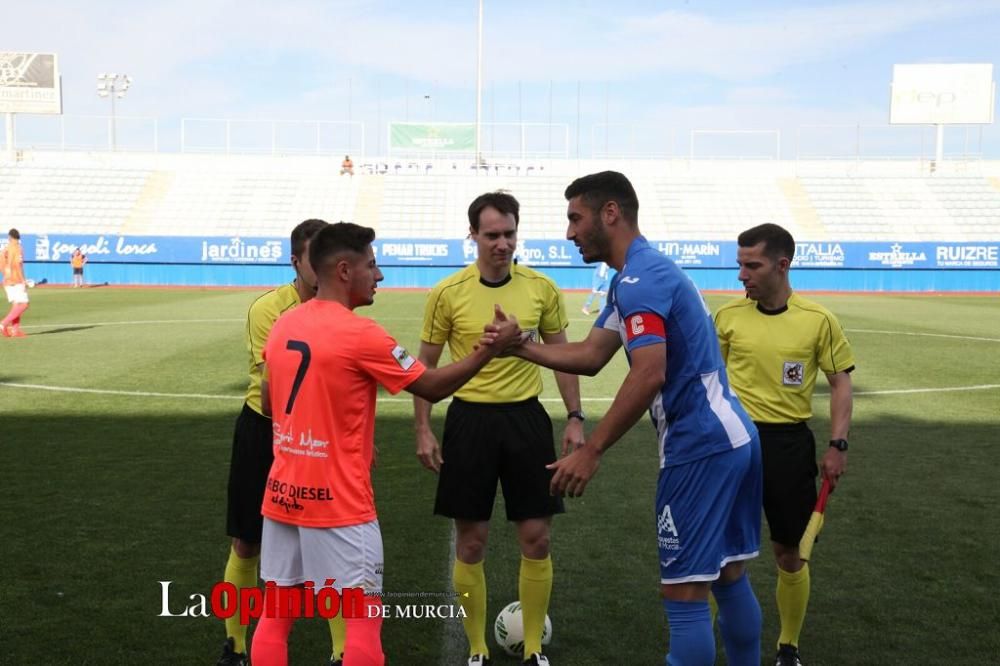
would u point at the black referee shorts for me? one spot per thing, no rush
(249, 466)
(487, 442)
(789, 457)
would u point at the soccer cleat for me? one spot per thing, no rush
(585, 311)
(230, 657)
(537, 659)
(4, 331)
(788, 655)
(337, 661)
(478, 660)
(15, 332)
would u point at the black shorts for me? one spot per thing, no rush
(487, 442)
(77, 271)
(789, 457)
(253, 453)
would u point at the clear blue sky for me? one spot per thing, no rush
(663, 67)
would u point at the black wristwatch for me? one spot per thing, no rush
(839, 444)
(576, 414)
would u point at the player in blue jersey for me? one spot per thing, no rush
(708, 497)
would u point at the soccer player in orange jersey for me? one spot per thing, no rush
(12, 267)
(252, 447)
(77, 262)
(324, 364)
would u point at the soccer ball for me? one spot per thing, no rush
(509, 630)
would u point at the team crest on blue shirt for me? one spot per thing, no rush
(793, 373)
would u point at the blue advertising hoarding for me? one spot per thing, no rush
(215, 250)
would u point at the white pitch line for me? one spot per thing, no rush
(158, 322)
(947, 389)
(140, 394)
(141, 322)
(453, 638)
(208, 396)
(926, 335)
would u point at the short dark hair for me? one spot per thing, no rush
(303, 233)
(502, 201)
(14, 233)
(599, 188)
(777, 241)
(333, 239)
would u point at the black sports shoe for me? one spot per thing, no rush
(230, 657)
(334, 661)
(537, 659)
(788, 655)
(479, 660)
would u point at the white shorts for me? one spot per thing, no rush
(352, 556)
(16, 293)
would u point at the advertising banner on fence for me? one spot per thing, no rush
(156, 249)
(432, 137)
(453, 252)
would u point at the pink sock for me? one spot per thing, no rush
(14, 316)
(363, 645)
(270, 641)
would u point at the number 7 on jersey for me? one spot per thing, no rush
(300, 374)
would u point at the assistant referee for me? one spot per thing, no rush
(775, 343)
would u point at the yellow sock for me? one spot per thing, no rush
(241, 573)
(792, 596)
(534, 588)
(713, 607)
(338, 634)
(470, 583)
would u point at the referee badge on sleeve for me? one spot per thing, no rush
(403, 358)
(793, 373)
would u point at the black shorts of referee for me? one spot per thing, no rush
(788, 453)
(253, 453)
(489, 442)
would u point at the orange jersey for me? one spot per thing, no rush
(76, 261)
(324, 364)
(12, 263)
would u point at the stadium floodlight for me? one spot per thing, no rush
(113, 85)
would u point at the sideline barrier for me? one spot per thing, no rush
(419, 263)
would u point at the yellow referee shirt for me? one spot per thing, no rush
(260, 318)
(772, 359)
(460, 305)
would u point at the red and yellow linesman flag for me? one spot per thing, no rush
(815, 522)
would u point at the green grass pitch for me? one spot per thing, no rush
(108, 493)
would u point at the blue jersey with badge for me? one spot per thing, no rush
(653, 301)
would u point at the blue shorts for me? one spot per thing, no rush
(708, 514)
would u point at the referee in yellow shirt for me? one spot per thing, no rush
(495, 428)
(774, 343)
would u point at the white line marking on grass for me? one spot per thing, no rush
(925, 335)
(141, 322)
(453, 639)
(140, 394)
(157, 322)
(947, 389)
